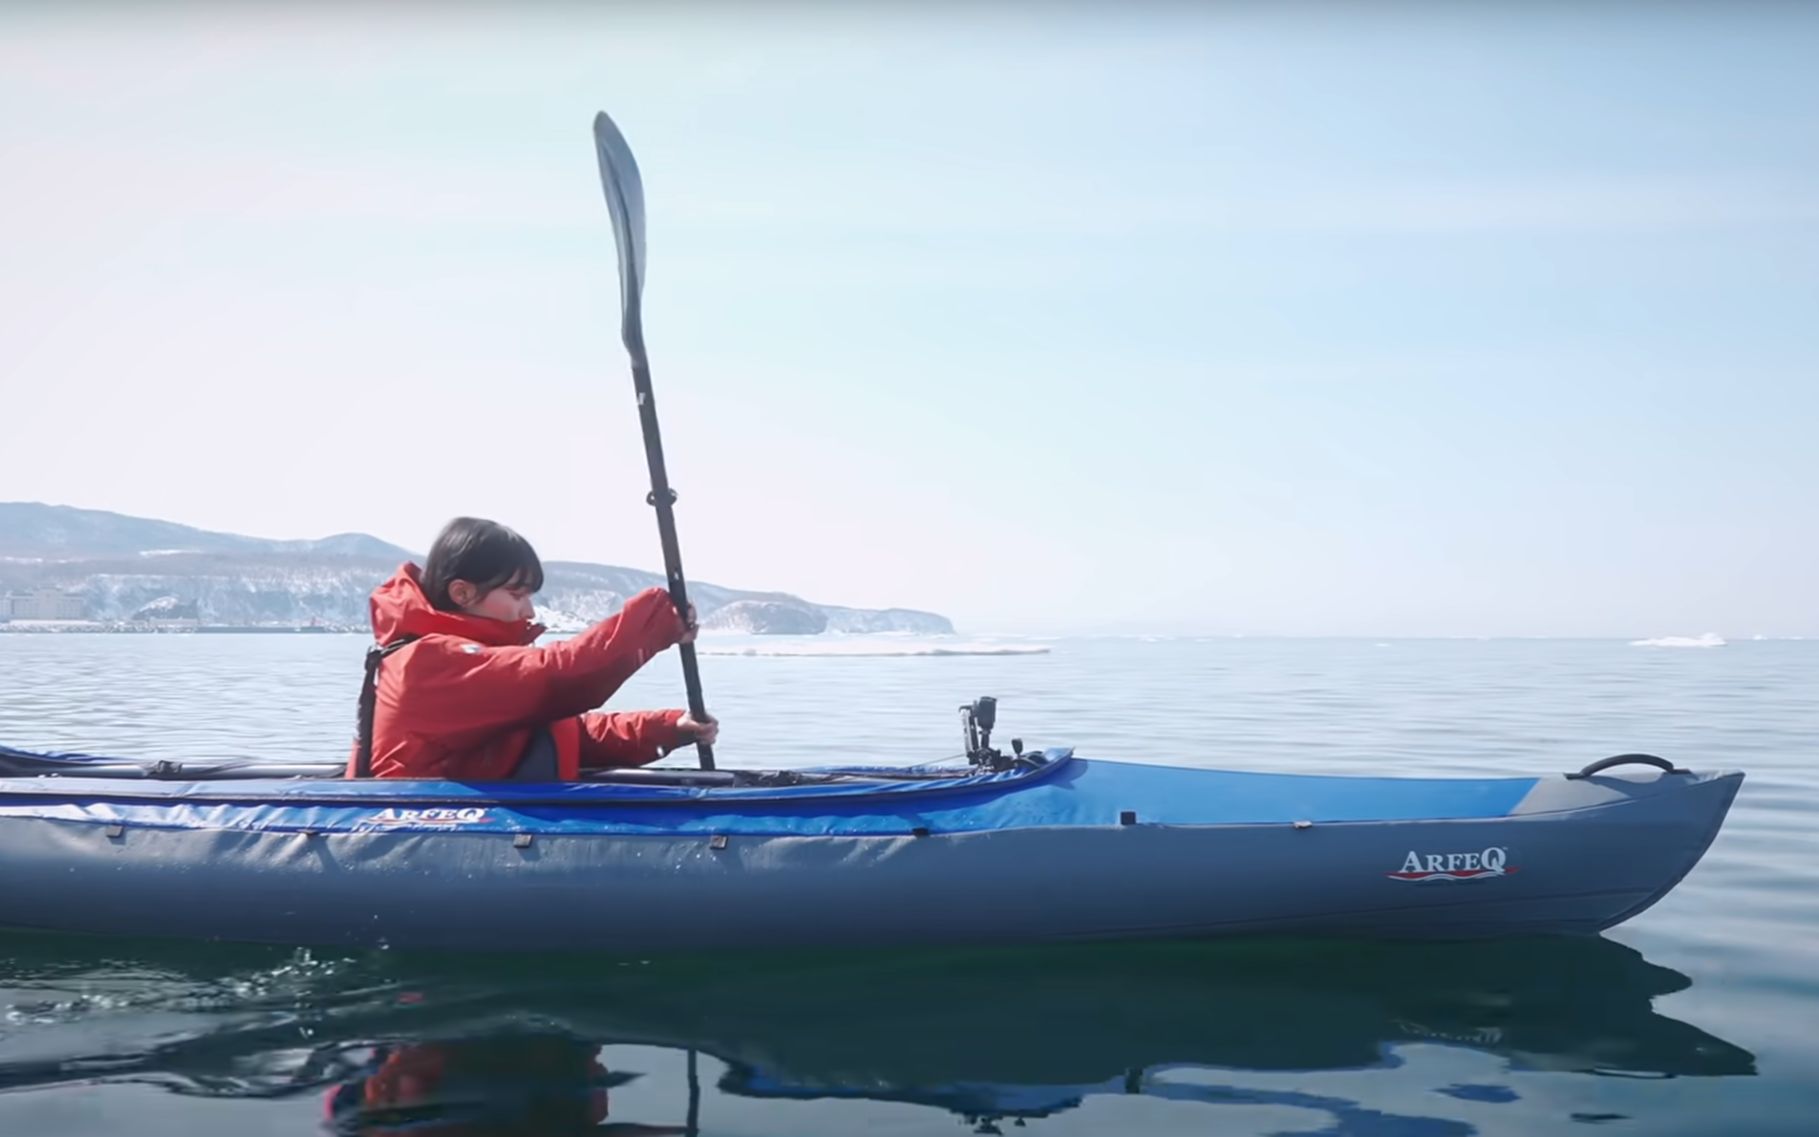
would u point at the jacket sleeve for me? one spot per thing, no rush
(458, 686)
(629, 738)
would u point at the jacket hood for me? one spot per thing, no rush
(399, 608)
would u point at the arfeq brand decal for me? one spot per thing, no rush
(1481, 865)
(468, 815)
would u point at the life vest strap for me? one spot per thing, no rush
(369, 700)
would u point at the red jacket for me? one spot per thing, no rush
(464, 700)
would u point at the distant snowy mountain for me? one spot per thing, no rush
(134, 569)
(31, 530)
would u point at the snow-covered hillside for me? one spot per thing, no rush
(130, 569)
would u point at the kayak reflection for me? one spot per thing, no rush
(413, 1041)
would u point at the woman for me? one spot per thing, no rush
(455, 688)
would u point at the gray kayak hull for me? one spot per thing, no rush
(1571, 856)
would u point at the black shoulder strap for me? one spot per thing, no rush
(369, 699)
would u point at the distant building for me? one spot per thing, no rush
(43, 604)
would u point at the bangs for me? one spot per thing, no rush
(506, 563)
(527, 576)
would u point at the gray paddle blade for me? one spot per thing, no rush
(625, 201)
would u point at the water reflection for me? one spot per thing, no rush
(398, 1043)
(510, 1084)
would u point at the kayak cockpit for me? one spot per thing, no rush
(983, 765)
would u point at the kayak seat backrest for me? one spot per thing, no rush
(539, 761)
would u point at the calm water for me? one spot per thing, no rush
(1696, 1018)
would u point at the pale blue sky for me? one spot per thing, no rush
(1420, 319)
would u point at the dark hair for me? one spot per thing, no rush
(485, 554)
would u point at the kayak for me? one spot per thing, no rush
(1041, 848)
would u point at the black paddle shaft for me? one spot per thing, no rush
(625, 201)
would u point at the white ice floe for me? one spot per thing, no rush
(859, 647)
(1709, 639)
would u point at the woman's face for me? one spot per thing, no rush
(509, 603)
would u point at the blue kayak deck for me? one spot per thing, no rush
(1062, 791)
